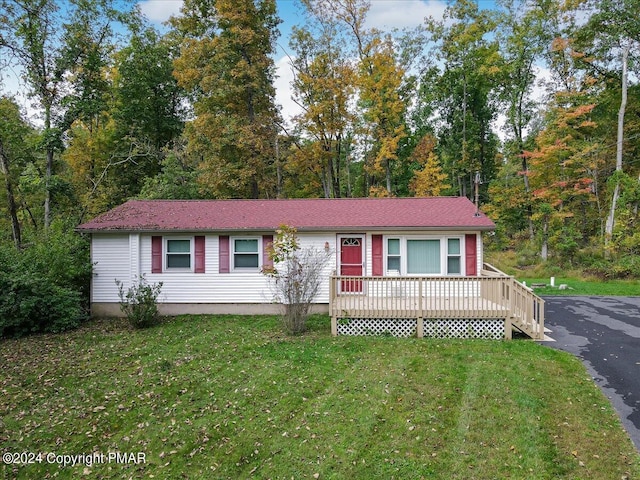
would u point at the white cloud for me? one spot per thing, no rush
(389, 14)
(284, 91)
(160, 10)
(543, 78)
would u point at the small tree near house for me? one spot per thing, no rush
(139, 302)
(296, 276)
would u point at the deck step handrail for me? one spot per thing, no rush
(491, 296)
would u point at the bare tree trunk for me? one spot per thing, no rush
(388, 175)
(616, 192)
(47, 183)
(13, 209)
(49, 167)
(544, 251)
(278, 170)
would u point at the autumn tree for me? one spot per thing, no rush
(51, 53)
(463, 93)
(607, 44)
(525, 32)
(226, 65)
(380, 85)
(429, 179)
(323, 87)
(564, 177)
(136, 117)
(382, 89)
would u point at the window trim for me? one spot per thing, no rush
(454, 255)
(165, 256)
(232, 254)
(444, 254)
(399, 255)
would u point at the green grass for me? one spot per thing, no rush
(577, 282)
(231, 397)
(576, 286)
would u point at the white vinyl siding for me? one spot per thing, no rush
(214, 287)
(127, 256)
(112, 261)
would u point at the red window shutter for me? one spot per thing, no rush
(156, 254)
(223, 253)
(471, 255)
(267, 241)
(376, 256)
(199, 252)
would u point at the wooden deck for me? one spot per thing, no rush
(491, 297)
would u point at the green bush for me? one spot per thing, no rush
(45, 286)
(139, 302)
(32, 304)
(62, 256)
(626, 267)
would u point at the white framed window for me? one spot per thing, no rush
(394, 259)
(245, 252)
(423, 255)
(178, 254)
(454, 261)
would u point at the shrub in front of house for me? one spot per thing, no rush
(139, 302)
(296, 276)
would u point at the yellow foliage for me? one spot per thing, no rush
(380, 192)
(431, 180)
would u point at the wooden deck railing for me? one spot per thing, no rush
(494, 295)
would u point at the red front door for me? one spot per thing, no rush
(351, 263)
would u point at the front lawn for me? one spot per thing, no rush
(231, 397)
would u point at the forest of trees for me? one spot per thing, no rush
(536, 102)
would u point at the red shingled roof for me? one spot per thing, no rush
(305, 214)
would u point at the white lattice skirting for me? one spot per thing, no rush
(465, 328)
(378, 326)
(449, 328)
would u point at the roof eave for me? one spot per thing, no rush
(342, 229)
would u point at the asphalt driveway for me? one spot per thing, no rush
(605, 333)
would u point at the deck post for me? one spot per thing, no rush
(332, 300)
(420, 328)
(508, 329)
(420, 323)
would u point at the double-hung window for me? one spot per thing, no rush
(393, 256)
(246, 253)
(178, 254)
(454, 263)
